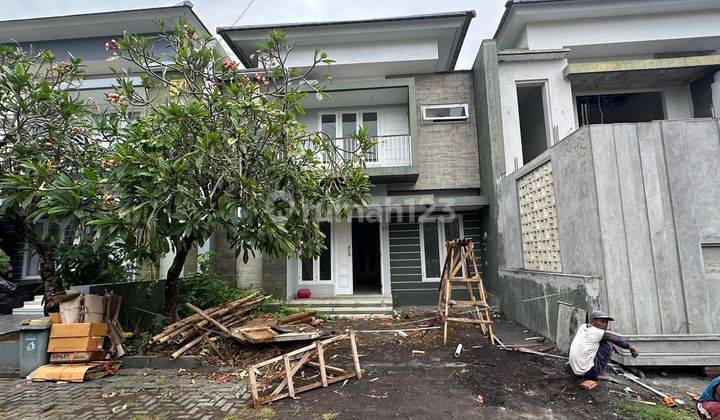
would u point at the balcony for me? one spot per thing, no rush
(388, 151)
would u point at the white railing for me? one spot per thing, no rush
(388, 150)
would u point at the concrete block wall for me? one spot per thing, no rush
(448, 151)
(636, 203)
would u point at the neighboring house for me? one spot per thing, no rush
(601, 140)
(82, 36)
(394, 77)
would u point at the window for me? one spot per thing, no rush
(533, 117)
(444, 113)
(620, 108)
(370, 123)
(319, 268)
(434, 232)
(31, 260)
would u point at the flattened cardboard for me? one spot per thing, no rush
(74, 372)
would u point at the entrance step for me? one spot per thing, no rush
(376, 306)
(30, 307)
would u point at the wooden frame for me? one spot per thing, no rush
(461, 267)
(293, 362)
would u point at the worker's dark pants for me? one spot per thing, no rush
(601, 359)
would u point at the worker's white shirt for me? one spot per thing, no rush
(584, 347)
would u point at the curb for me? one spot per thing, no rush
(158, 362)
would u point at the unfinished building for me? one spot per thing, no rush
(598, 135)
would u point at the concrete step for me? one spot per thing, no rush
(34, 306)
(354, 302)
(354, 312)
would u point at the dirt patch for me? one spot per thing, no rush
(398, 384)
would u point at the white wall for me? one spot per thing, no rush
(368, 52)
(637, 28)
(560, 102)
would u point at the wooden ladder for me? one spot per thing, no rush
(460, 267)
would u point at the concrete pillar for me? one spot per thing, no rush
(678, 103)
(716, 95)
(249, 275)
(224, 261)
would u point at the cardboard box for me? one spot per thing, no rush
(77, 337)
(78, 357)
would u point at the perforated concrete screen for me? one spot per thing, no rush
(538, 220)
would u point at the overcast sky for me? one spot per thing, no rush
(215, 13)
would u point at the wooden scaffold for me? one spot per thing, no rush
(460, 271)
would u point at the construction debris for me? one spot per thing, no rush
(233, 320)
(291, 363)
(666, 398)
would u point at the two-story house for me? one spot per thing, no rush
(82, 36)
(599, 137)
(395, 77)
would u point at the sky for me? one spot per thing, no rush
(215, 13)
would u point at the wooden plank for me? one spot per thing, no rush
(469, 320)
(288, 376)
(299, 351)
(307, 388)
(356, 358)
(253, 388)
(328, 368)
(209, 319)
(321, 364)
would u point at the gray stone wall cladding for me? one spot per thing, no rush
(448, 151)
(406, 282)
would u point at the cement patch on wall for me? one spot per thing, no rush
(531, 297)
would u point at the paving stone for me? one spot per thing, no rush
(165, 394)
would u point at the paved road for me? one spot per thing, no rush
(132, 393)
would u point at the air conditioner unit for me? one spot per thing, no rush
(444, 113)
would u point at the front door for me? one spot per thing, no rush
(342, 247)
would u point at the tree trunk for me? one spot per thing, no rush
(48, 272)
(172, 295)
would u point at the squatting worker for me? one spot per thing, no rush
(590, 349)
(709, 402)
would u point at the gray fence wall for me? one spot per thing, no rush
(636, 203)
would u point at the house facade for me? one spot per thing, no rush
(395, 78)
(601, 136)
(82, 36)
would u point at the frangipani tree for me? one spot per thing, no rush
(49, 161)
(220, 148)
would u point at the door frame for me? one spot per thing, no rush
(295, 275)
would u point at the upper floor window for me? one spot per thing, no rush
(444, 113)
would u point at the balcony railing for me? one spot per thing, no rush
(388, 151)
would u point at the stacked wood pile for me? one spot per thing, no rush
(233, 320)
(199, 327)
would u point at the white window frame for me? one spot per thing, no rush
(424, 108)
(316, 265)
(29, 252)
(441, 242)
